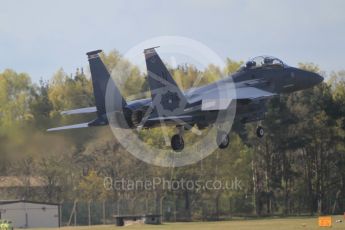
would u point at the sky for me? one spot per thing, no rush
(38, 37)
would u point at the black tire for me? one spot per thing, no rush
(260, 132)
(177, 143)
(223, 139)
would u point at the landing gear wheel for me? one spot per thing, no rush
(260, 132)
(223, 139)
(177, 143)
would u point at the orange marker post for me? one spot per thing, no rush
(325, 221)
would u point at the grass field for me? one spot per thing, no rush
(263, 224)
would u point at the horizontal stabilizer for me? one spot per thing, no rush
(80, 111)
(99, 121)
(77, 126)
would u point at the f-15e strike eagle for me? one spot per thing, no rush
(260, 79)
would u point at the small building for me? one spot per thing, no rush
(30, 214)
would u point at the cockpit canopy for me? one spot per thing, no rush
(264, 61)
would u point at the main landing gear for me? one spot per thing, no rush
(223, 139)
(177, 143)
(260, 132)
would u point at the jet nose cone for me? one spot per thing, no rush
(307, 79)
(318, 79)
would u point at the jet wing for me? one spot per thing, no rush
(220, 99)
(180, 120)
(172, 118)
(80, 111)
(252, 93)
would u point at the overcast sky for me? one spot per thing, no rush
(38, 36)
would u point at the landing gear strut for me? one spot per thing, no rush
(260, 132)
(223, 139)
(177, 143)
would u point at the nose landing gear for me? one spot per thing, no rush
(223, 139)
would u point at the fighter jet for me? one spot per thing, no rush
(256, 82)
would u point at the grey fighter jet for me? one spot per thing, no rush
(260, 79)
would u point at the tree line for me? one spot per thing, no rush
(297, 168)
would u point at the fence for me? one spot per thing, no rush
(172, 207)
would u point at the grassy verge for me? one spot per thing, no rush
(307, 223)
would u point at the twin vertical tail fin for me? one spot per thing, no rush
(100, 79)
(165, 93)
(163, 87)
